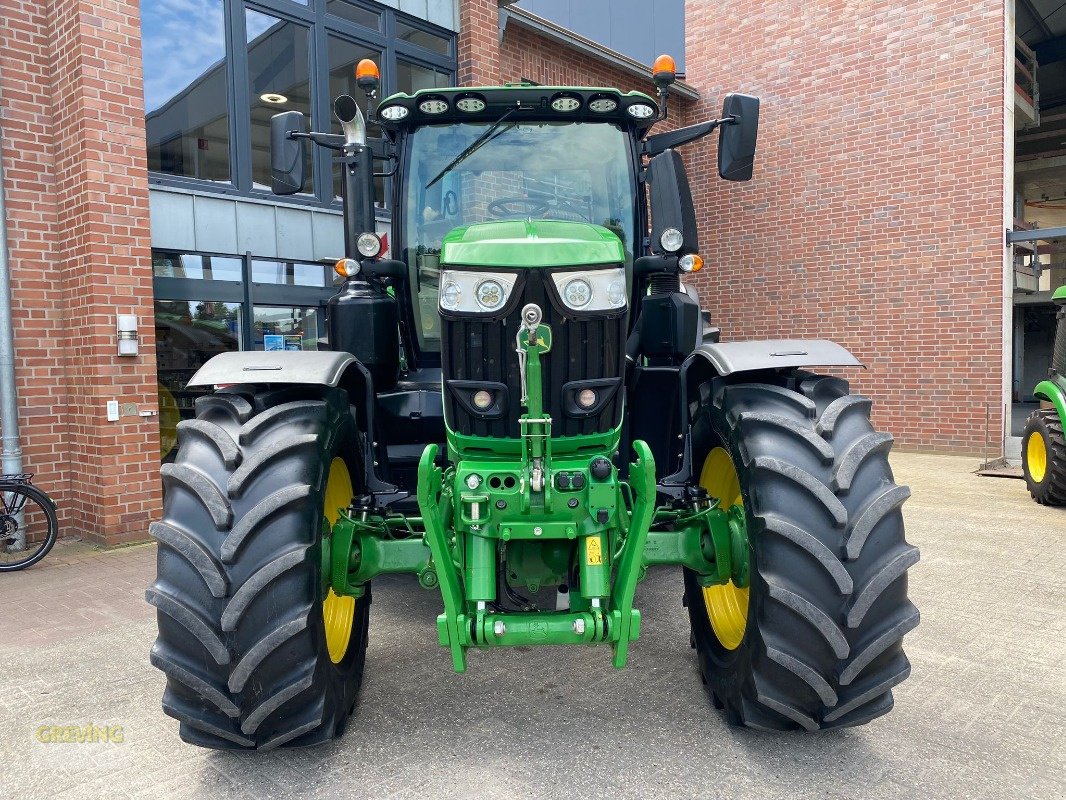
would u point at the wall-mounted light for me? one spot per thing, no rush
(127, 334)
(274, 98)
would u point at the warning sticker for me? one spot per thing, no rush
(593, 551)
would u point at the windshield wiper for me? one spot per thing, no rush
(473, 146)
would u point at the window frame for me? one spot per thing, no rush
(247, 292)
(320, 26)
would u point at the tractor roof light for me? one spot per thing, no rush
(433, 105)
(641, 111)
(470, 103)
(566, 103)
(602, 105)
(393, 113)
(368, 244)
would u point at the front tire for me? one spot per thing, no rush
(246, 620)
(1044, 457)
(818, 640)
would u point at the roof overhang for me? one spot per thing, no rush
(512, 15)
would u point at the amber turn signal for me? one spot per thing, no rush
(347, 267)
(690, 263)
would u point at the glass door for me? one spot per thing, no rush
(287, 327)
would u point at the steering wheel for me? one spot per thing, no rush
(499, 208)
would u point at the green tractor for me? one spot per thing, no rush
(525, 409)
(1043, 441)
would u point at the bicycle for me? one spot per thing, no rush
(28, 522)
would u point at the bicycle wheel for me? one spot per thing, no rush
(28, 526)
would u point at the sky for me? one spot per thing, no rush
(182, 39)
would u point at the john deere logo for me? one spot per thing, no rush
(538, 630)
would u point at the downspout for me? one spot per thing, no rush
(10, 451)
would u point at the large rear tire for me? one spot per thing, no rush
(815, 641)
(246, 620)
(1044, 457)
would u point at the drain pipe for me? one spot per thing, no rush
(10, 451)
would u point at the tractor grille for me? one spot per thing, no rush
(585, 348)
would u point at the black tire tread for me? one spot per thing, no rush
(829, 613)
(1052, 490)
(201, 486)
(195, 553)
(210, 432)
(238, 566)
(267, 507)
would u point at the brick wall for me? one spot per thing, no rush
(73, 136)
(875, 213)
(478, 46)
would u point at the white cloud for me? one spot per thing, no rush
(182, 39)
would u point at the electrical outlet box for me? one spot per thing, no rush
(112, 410)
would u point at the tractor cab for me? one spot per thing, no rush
(498, 187)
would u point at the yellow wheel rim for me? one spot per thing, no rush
(338, 611)
(726, 604)
(1036, 456)
(169, 417)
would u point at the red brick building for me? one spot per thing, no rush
(876, 215)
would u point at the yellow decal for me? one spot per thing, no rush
(593, 551)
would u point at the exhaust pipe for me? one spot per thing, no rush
(357, 190)
(351, 119)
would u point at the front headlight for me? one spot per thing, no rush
(592, 290)
(463, 292)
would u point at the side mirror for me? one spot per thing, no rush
(671, 203)
(736, 142)
(287, 155)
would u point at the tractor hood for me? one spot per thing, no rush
(531, 243)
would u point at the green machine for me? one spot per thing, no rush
(523, 406)
(1043, 442)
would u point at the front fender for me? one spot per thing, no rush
(1054, 391)
(730, 357)
(313, 367)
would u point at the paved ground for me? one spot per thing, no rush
(982, 715)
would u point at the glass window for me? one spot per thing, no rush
(278, 63)
(187, 334)
(411, 78)
(285, 328)
(577, 171)
(430, 41)
(186, 93)
(288, 273)
(191, 265)
(345, 9)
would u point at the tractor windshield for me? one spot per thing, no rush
(461, 174)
